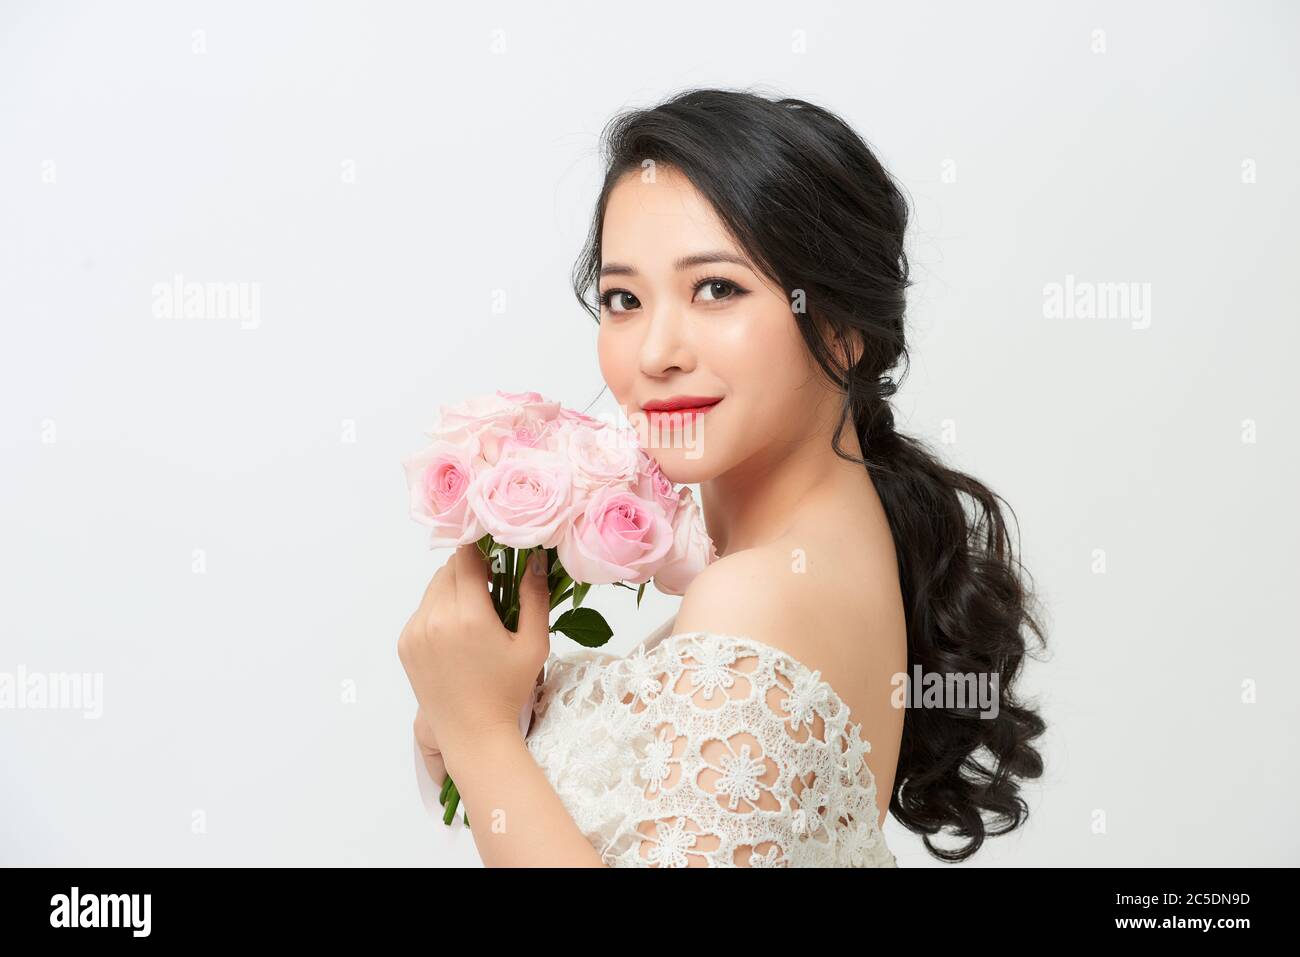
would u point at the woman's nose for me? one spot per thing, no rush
(667, 344)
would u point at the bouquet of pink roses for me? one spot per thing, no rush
(515, 473)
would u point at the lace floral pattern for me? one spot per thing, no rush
(707, 750)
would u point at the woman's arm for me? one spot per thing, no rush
(431, 754)
(471, 677)
(515, 815)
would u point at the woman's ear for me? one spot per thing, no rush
(848, 346)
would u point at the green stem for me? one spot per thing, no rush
(512, 583)
(453, 799)
(521, 558)
(498, 588)
(564, 582)
(511, 616)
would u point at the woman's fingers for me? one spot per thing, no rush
(471, 580)
(437, 768)
(424, 734)
(440, 587)
(429, 748)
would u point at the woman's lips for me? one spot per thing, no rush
(670, 416)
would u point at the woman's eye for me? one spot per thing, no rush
(718, 289)
(607, 300)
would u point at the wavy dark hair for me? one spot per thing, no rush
(808, 201)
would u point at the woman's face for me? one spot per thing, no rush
(677, 319)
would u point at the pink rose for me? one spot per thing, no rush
(525, 500)
(692, 549)
(532, 405)
(653, 484)
(601, 456)
(439, 478)
(474, 414)
(618, 537)
(527, 434)
(493, 418)
(572, 416)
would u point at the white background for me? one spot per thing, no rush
(385, 170)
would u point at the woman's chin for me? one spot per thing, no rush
(687, 451)
(684, 466)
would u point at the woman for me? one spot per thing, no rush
(748, 261)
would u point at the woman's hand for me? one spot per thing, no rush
(429, 749)
(471, 674)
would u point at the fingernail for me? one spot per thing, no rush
(535, 562)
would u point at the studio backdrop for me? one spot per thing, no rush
(248, 249)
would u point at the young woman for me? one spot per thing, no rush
(747, 262)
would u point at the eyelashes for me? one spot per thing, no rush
(609, 294)
(735, 292)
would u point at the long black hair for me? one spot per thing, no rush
(814, 209)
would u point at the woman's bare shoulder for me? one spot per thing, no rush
(816, 602)
(838, 616)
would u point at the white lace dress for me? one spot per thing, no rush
(706, 750)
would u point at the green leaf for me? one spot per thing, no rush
(639, 592)
(586, 626)
(580, 592)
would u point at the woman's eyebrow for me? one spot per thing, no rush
(686, 262)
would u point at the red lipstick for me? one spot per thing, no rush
(662, 410)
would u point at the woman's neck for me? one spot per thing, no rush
(760, 499)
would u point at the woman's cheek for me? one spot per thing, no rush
(606, 362)
(611, 366)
